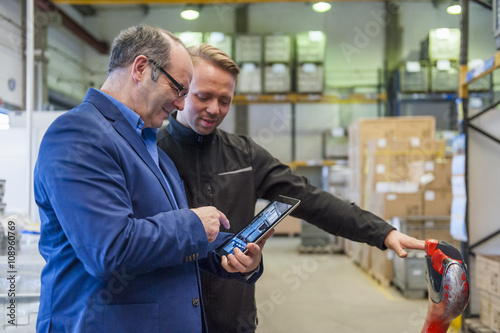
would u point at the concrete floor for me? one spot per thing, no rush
(328, 293)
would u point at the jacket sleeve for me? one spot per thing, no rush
(86, 203)
(317, 207)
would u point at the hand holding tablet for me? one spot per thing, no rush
(260, 226)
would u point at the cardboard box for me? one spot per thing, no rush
(277, 78)
(444, 44)
(311, 46)
(432, 228)
(414, 77)
(437, 202)
(365, 129)
(278, 48)
(440, 230)
(402, 159)
(365, 260)
(389, 205)
(444, 80)
(437, 175)
(397, 165)
(381, 265)
(488, 273)
(348, 248)
(190, 38)
(250, 79)
(310, 78)
(220, 40)
(248, 48)
(489, 310)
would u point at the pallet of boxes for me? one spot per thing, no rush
(487, 281)
(401, 173)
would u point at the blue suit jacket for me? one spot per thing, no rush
(119, 258)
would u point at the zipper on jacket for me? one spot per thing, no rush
(209, 193)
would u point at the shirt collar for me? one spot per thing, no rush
(186, 134)
(133, 118)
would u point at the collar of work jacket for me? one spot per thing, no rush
(186, 134)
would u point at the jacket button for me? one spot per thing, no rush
(196, 301)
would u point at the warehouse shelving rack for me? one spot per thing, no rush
(294, 98)
(490, 65)
(467, 127)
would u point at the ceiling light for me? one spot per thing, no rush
(454, 9)
(321, 7)
(190, 13)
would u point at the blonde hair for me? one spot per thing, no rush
(216, 57)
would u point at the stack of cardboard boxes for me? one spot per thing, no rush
(488, 283)
(399, 170)
(277, 63)
(248, 56)
(381, 130)
(310, 46)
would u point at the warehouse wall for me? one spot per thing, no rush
(418, 18)
(11, 51)
(67, 72)
(13, 155)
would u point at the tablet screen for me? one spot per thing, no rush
(271, 215)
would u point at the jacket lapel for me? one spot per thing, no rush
(122, 126)
(173, 178)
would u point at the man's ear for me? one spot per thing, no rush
(140, 68)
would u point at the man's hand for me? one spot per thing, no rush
(211, 218)
(245, 262)
(398, 242)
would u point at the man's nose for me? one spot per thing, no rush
(179, 103)
(213, 107)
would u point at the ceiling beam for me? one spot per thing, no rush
(73, 26)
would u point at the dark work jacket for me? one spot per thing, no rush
(231, 172)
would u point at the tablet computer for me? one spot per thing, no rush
(260, 226)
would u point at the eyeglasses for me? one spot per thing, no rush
(181, 90)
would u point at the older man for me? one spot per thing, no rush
(123, 250)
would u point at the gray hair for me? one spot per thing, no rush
(152, 42)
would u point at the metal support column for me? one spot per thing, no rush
(241, 115)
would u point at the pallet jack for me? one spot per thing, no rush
(448, 285)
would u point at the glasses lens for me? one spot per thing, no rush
(183, 92)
